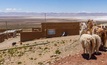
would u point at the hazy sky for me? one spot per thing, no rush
(53, 5)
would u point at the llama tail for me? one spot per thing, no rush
(91, 48)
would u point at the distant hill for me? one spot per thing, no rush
(33, 15)
(50, 14)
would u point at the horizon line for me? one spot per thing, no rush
(49, 12)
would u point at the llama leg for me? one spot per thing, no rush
(98, 46)
(104, 44)
(90, 55)
(89, 51)
(83, 46)
(92, 46)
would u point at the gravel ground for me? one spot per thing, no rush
(81, 59)
(39, 51)
(8, 43)
(70, 48)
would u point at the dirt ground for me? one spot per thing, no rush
(81, 59)
(50, 51)
(38, 52)
(8, 42)
(14, 23)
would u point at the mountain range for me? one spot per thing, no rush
(50, 14)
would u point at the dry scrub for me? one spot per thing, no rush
(40, 52)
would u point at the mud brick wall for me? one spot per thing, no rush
(2, 30)
(71, 28)
(36, 29)
(26, 36)
(2, 37)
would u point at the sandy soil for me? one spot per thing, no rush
(79, 59)
(8, 42)
(50, 51)
(40, 52)
(29, 23)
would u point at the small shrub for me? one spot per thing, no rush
(55, 44)
(70, 40)
(47, 41)
(57, 52)
(3, 52)
(40, 63)
(40, 54)
(12, 51)
(25, 47)
(21, 54)
(31, 58)
(52, 41)
(45, 48)
(49, 62)
(31, 48)
(40, 48)
(35, 58)
(63, 41)
(58, 42)
(19, 63)
(1, 61)
(27, 44)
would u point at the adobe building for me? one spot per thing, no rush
(36, 29)
(51, 29)
(60, 29)
(5, 34)
(2, 38)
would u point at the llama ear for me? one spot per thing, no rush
(88, 21)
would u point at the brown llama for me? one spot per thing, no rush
(102, 33)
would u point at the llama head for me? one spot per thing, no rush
(99, 31)
(90, 23)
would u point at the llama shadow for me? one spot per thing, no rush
(98, 53)
(86, 56)
(103, 49)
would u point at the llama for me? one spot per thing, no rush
(102, 33)
(92, 29)
(89, 33)
(88, 44)
(90, 24)
(97, 41)
(83, 28)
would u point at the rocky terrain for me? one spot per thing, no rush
(40, 52)
(51, 51)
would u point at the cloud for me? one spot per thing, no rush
(83, 12)
(12, 10)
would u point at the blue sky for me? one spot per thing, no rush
(67, 6)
